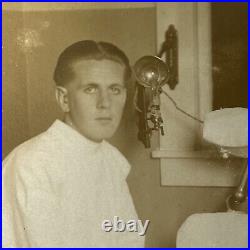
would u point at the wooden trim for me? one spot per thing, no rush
(55, 6)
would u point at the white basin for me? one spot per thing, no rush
(227, 127)
(214, 230)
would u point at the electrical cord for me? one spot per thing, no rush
(170, 98)
(181, 110)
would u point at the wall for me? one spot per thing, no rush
(134, 30)
(15, 125)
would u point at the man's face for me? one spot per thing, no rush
(97, 97)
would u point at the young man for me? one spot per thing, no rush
(60, 186)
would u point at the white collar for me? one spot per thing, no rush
(71, 135)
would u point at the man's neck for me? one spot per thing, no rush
(68, 120)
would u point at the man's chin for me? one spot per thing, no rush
(99, 137)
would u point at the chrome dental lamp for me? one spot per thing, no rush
(151, 74)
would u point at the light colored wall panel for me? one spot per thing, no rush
(194, 95)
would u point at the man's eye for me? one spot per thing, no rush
(90, 90)
(116, 90)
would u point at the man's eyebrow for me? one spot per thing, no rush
(89, 84)
(93, 84)
(117, 84)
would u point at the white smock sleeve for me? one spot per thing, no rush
(30, 210)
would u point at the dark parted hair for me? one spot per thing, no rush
(84, 50)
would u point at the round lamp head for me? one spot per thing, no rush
(151, 71)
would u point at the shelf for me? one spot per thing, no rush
(199, 154)
(201, 168)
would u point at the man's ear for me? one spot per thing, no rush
(62, 98)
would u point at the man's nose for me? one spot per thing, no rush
(103, 100)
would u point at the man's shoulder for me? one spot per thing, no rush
(26, 146)
(33, 162)
(35, 149)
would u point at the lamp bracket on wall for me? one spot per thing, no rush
(152, 73)
(170, 49)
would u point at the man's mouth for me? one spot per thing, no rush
(103, 118)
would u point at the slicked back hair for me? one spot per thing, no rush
(84, 50)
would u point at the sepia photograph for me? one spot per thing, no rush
(125, 124)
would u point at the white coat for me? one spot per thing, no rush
(59, 187)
